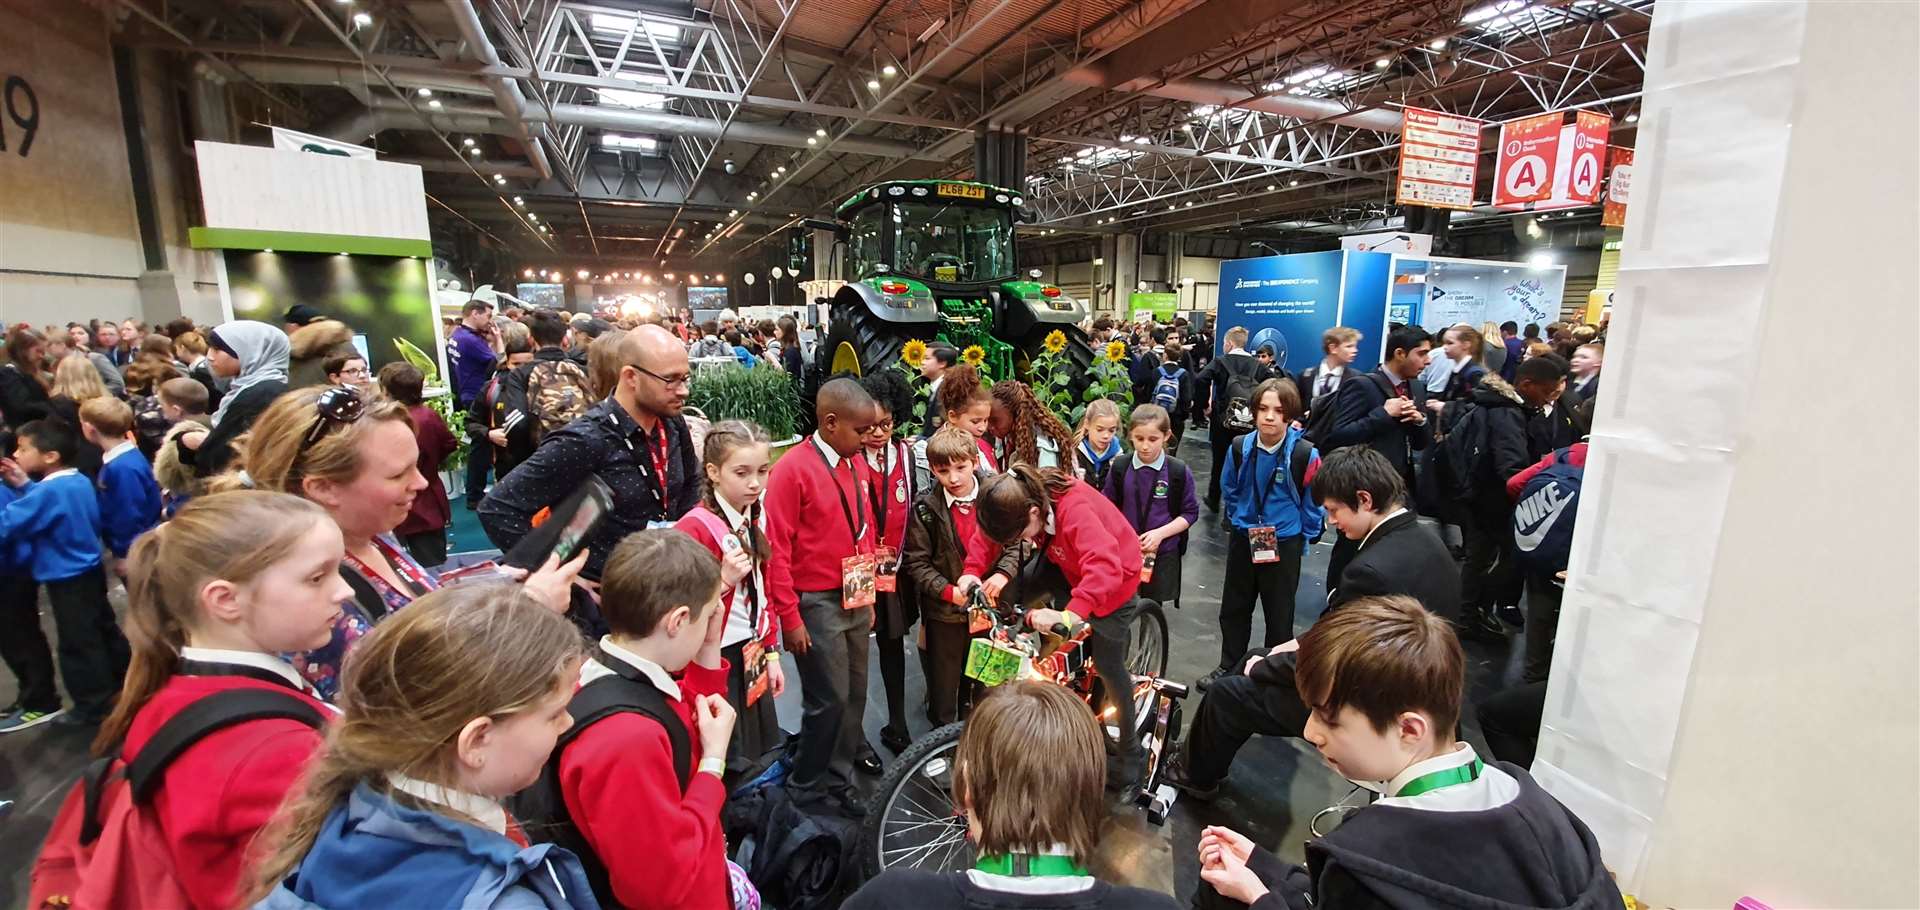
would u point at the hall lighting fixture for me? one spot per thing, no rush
(821, 133)
(362, 19)
(1126, 138)
(873, 85)
(779, 170)
(434, 103)
(1540, 260)
(669, 276)
(519, 201)
(1293, 183)
(733, 213)
(889, 71)
(812, 141)
(1139, 140)
(1382, 63)
(1189, 203)
(468, 142)
(582, 273)
(1633, 118)
(425, 92)
(473, 152)
(532, 217)
(753, 195)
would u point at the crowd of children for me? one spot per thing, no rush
(473, 749)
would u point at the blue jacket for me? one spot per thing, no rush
(58, 521)
(1257, 489)
(374, 852)
(129, 499)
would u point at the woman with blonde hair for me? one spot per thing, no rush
(76, 382)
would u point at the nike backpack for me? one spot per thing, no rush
(1544, 515)
(1166, 392)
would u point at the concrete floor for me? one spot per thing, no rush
(1276, 787)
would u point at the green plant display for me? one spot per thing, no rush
(764, 395)
(1053, 376)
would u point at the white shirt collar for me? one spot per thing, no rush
(1269, 449)
(833, 457)
(1376, 525)
(656, 674)
(1332, 371)
(60, 473)
(1035, 884)
(1241, 351)
(952, 500)
(1156, 464)
(1461, 756)
(266, 662)
(734, 517)
(890, 458)
(477, 807)
(117, 451)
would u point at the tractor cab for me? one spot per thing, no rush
(948, 234)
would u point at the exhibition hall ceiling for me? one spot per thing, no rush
(689, 131)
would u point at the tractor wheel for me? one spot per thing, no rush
(859, 342)
(1078, 352)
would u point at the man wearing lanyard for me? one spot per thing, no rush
(635, 441)
(821, 573)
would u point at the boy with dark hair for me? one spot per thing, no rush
(1516, 348)
(1492, 442)
(56, 521)
(1385, 410)
(820, 581)
(641, 804)
(24, 647)
(933, 368)
(129, 496)
(1173, 391)
(1383, 680)
(1232, 374)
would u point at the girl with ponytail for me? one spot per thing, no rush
(964, 402)
(213, 596)
(447, 708)
(1084, 541)
(729, 522)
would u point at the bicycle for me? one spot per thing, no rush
(911, 820)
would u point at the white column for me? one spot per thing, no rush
(1734, 704)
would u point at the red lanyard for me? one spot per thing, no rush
(858, 528)
(658, 450)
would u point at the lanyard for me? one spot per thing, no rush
(403, 567)
(882, 491)
(859, 507)
(745, 537)
(1262, 491)
(1449, 777)
(658, 451)
(1027, 865)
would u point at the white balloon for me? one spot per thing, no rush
(748, 278)
(777, 272)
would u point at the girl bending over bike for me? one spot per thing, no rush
(1081, 534)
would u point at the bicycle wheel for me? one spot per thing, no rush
(910, 821)
(1147, 641)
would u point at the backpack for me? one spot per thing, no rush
(1544, 515)
(106, 849)
(1242, 446)
(542, 808)
(556, 394)
(1177, 475)
(1166, 392)
(150, 424)
(1461, 449)
(1321, 415)
(795, 859)
(1236, 409)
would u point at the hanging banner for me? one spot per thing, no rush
(1619, 186)
(287, 140)
(1439, 155)
(1584, 169)
(1529, 150)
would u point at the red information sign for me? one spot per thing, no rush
(1525, 170)
(1439, 155)
(1619, 186)
(1586, 170)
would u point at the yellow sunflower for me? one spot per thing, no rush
(974, 355)
(913, 352)
(1116, 351)
(1056, 341)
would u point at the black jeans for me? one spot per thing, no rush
(24, 646)
(1275, 584)
(1233, 710)
(479, 465)
(1510, 720)
(944, 663)
(1489, 579)
(893, 679)
(1222, 439)
(833, 688)
(1543, 621)
(93, 653)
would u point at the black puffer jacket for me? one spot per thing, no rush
(1505, 449)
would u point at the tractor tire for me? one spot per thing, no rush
(874, 342)
(1078, 352)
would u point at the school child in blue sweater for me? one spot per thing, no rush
(129, 496)
(57, 519)
(1263, 484)
(22, 645)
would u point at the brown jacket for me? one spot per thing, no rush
(932, 557)
(308, 348)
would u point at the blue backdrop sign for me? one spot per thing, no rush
(1288, 301)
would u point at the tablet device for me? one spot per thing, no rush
(566, 529)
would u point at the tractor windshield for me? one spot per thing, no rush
(952, 242)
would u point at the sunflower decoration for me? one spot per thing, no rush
(1056, 341)
(974, 355)
(913, 352)
(1116, 351)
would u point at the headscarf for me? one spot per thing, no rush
(261, 350)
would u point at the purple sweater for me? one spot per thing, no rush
(1146, 503)
(470, 359)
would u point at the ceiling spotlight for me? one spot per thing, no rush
(1189, 203)
(1271, 187)
(821, 133)
(582, 273)
(1438, 44)
(468, 142)
(1139, 140)
(362, 19)
(527, 274)
(1171, 206)
(434, 103)
(733, 213)
(1382, 63)
(889, 71)
(1293, 183)
(425, 92)
(754, 195)
(812, 141)
(499, 178)
(719, 277)
(519, 200)
(780, 170)
(873, 85)
(473, 152)
(1633, 118)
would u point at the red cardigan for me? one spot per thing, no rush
(894, 494)
(691, 525)
(1091, 543)
(219, 793)
(808, 527)
(662, 849)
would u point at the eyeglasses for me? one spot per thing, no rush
(354, 371)
(682, 381)
(340, 404)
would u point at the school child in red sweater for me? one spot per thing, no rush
(1083, 536)
(896, 606)
(213, 597)
(968, 405)
(650, 822)
(729, 522)
(820, 518)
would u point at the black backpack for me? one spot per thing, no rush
(1302, 456)
(542, 808)
(1177, 475)
(1462, 448)
(1236, 408)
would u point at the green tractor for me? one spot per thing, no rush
(935, 261)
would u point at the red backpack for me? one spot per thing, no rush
(106, 850)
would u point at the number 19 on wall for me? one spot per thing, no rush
(23, 110)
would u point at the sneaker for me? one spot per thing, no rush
(1176, 774)
(1204, 682)
(78, 718)
(21, 720)
(1479, 625)
(1512, 615)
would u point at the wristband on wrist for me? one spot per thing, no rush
(714, 766)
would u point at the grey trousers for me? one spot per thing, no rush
(833, 688)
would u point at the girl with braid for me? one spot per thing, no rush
(1024, 431)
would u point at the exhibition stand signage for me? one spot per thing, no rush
(1160, 303)
(1439, 159)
